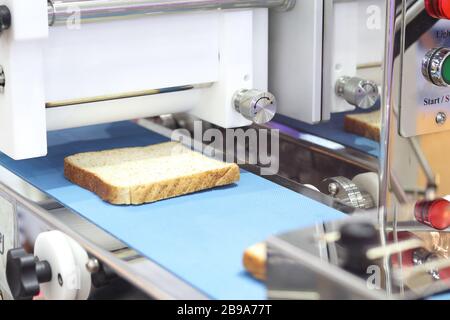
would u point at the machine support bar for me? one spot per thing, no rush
(59, 12)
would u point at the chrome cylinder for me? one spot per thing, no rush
(61, 11)
(358, 92)
(255, 105)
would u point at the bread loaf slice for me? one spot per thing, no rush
(364, 124)
(255, 259)
(147, 174)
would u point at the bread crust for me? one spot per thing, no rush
(255, 259)
(151, 192)
(358, 126)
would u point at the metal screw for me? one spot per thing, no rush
(92, 265)
(333, 189)
(2, 80)
(441, 118)
(60, 280)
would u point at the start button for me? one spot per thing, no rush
(436, 66)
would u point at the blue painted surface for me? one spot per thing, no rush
(199, 237)
(441, 297)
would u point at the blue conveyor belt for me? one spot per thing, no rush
(200, 237)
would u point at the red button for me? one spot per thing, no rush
(438, 8)
(407, 256)
(435, 214)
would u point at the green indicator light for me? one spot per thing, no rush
(446, 70)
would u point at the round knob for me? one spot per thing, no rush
(359, 234)
(358, 92)
(348, 192)
(24, 273)
(356, 239)
(257, 106)
(5, 18)
(436, 66)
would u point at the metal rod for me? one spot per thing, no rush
(390, 249)
(62, 11)
(135, 94)
(386, 120)
(423, 161)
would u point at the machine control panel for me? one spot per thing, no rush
(424, 106)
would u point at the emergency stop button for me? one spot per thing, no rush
(436, 66)
(438, 8)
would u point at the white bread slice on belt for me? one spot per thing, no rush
(147, 174)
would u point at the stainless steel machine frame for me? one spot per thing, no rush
(411, 169)
(159, 283)
(96, 10)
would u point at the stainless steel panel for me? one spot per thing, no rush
(422, 103)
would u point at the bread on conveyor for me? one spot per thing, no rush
(147, 174)
(364, 124)
(255, 259)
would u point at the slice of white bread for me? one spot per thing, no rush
(147, 174)
(364, 124)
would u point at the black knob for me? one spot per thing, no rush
(103, 276)
(5, 18)
(356, 239)
(357, 234)
(24, 273)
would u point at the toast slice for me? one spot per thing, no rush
(255, 259)
(147, 174)
(364, 124)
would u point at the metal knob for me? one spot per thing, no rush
(257, 106)
(347, 192)
(356, 238)
(422, 256)
(436, 66)
(358, 92)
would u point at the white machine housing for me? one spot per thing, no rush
(215, 52)
(314, 45)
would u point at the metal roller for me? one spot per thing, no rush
(59, 11)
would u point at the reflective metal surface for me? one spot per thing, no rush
(413, 175)
(361, 93)
(59, 12)
(257, 106)
(333, 261)
(414, 162)
(142, 93)
(348, 192)
(423, 93)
